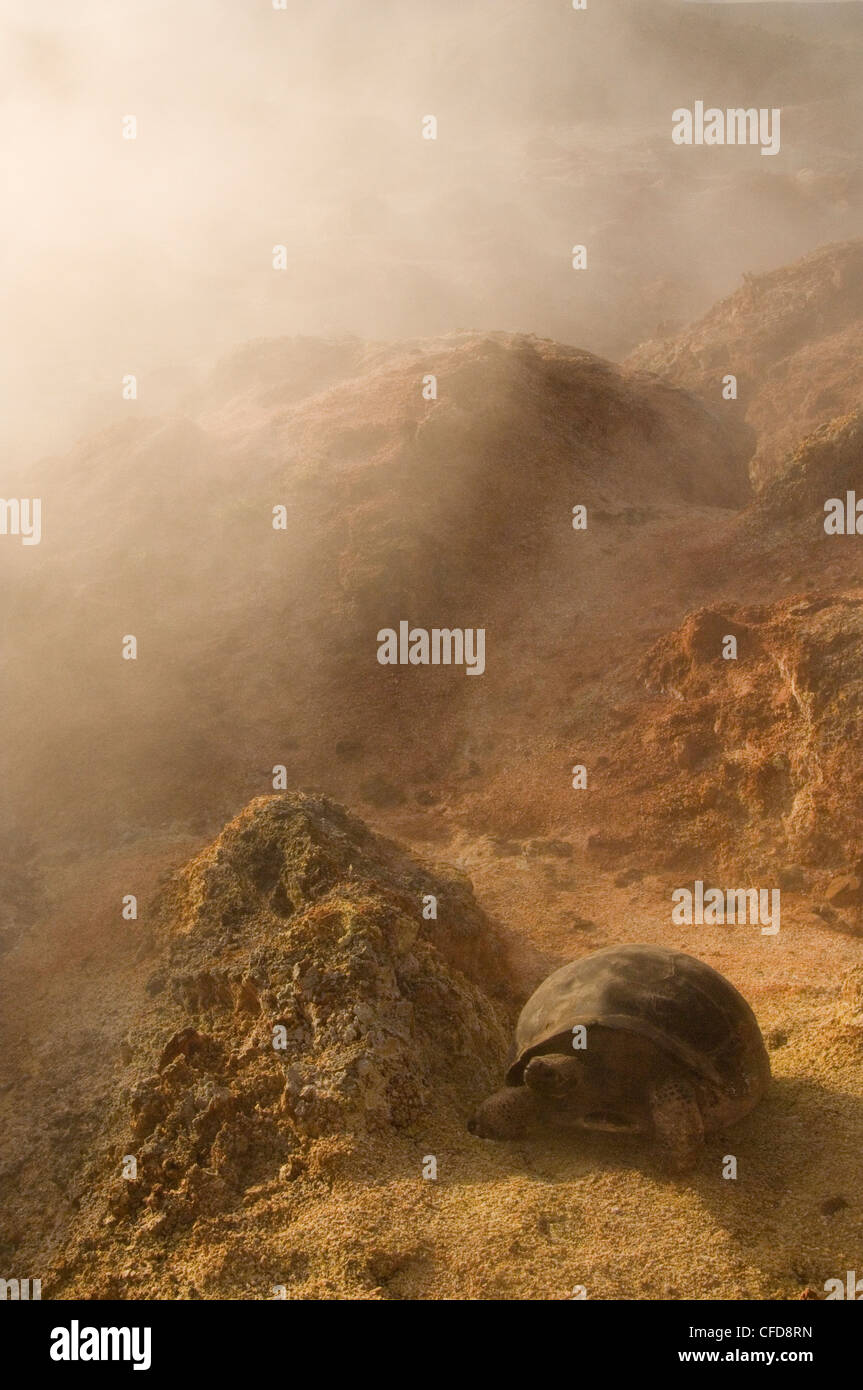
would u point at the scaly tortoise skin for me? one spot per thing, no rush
(672, 1050)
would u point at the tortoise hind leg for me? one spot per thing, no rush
(678, 1123)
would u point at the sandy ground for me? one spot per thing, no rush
(534, 1219)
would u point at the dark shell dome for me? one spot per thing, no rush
(683, 1005)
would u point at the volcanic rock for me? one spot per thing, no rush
(306, 996)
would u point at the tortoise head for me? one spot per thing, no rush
(572, 1094)
(555, 1076)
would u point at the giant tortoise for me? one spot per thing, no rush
(633, 1038)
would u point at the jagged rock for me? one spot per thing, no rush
(767, 740)
(306, 996)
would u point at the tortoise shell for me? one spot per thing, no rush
(681, 1004)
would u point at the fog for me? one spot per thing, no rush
(302, 127)
(200, 627)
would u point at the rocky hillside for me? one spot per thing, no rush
(257, 646)
(301, 1167)
(793, 337)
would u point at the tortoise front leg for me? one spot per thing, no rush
(677, 1123)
